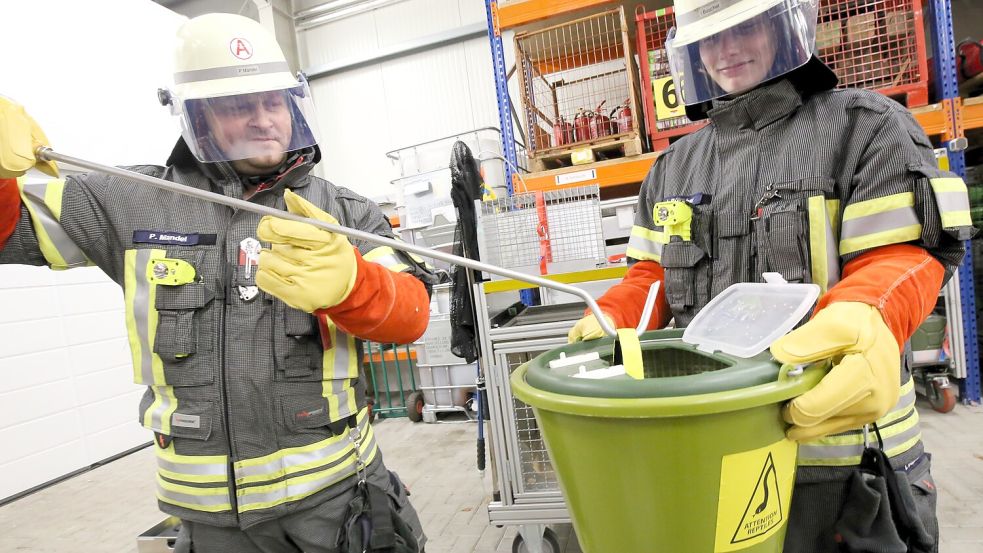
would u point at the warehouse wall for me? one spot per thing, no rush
(365, 112)
(66, 394)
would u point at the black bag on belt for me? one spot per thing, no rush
(372, 524)
(880, 515)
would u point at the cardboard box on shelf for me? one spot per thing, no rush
(829, 34)
(862, 27)
(897, 23)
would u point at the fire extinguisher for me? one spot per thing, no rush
(562, 133)
(621, 118)
(600, 124)
(970, 59)
(581, 124)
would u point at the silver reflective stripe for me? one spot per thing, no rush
(164, 404)
(952, 201)
(818, 453)
(193, 469)
(141, 315)
(279, 467)
(288, 491)
(391, 262)
(832, 255)
(230, 71)
(202, 500)
(645, 244)
(704, 11)
(879, 222)
(69, 252)
(342, 353)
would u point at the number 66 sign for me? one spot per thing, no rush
(667, 104)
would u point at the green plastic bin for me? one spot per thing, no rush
(691, 459)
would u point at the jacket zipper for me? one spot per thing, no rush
(227, 280)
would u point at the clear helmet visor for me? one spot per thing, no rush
(264, 124)
(740, 47)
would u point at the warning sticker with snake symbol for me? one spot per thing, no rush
(755, 490)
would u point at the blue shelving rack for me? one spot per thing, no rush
(947, 88)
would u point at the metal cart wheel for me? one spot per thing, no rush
(942, 396)
(414, 406)
(550, 543)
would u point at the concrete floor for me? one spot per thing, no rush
(102, 511)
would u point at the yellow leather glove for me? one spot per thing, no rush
(587, 328)
(307, 267)
(20, 136)
(864, 382)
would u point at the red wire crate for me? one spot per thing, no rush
(663, 110)
(578, 89)
(876, 44)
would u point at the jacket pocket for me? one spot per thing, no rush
(781, 227)
(297, 352)
(163, 412)
(786, 242)
(680, 260)
(306, 413)
(183, 333)
(942, 203)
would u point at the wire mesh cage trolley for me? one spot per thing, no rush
(876, 44)
(578, 86)
(665, 114)
(537, 233)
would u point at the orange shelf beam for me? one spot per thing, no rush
(514, 14)
(934, 119)
(614, 172)
(973, 113)
(389, 356)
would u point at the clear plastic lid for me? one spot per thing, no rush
(746, 318)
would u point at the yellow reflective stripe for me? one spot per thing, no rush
(833, 212)
(170, 456)
(846, 449)
(897, 236)
(192, 490)
(646, 244)
(818, 247)
(635, 253)
(288, 470)
(878, 205)
(952, 219)
(952, 198)
(198, 499)
(43, 202)
(278, 456)
(338, 473)
(139, 297)
(948, 184)
(879, 222)
(387, 257)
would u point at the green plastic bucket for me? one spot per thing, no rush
(691, 459)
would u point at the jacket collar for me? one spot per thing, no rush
(222, 176)
(758, 108)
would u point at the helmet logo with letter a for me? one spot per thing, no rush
(241, 48)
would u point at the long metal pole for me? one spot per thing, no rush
(48, 154)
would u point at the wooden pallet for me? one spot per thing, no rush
(557, 158)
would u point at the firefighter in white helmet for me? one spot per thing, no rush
(246, 332)
(835, 187)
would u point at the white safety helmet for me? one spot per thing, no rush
(726, 47)
(234, 93)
